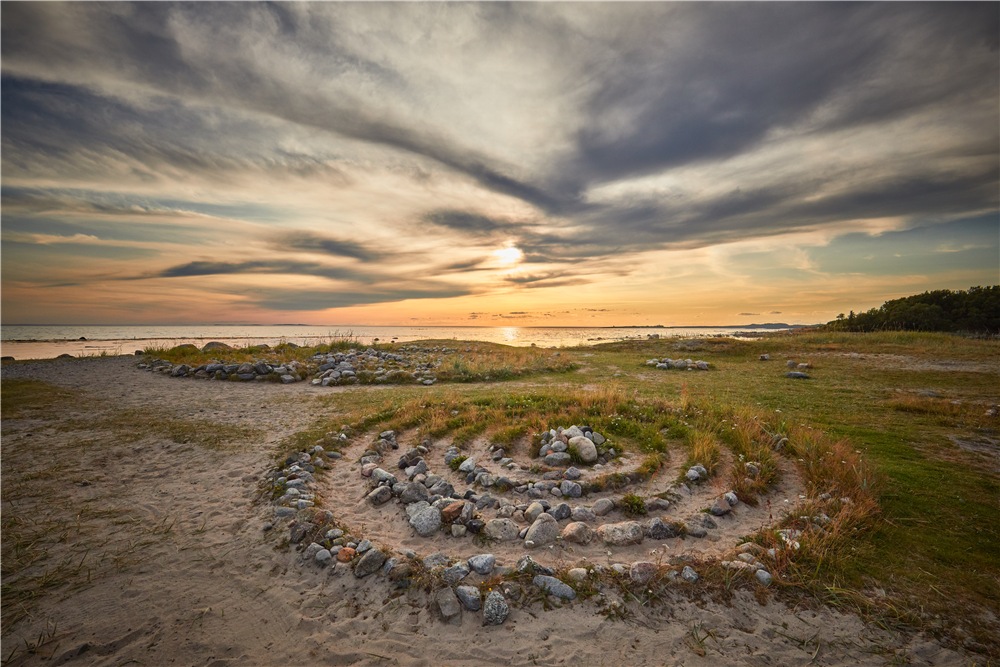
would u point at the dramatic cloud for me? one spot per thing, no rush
(353, 159)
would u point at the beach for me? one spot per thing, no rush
(176, 567)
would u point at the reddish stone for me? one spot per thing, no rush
(345, 555)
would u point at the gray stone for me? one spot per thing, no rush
(598, 439)
(447, 604)
(380, 495)
(413, 492)
(323, 557)
(533, 512)
(557, 459)
(527, 564)
(658, 529)
(572, 473)
(577, 574)
(370, 563)
(657, 504)
(585, 448)
(458, 530)
(560, 512)
(363, 546)
(553, 586)
(380, 475)
(572, 432)
(583, 514)
(455, 573)
(731, 498)
(720, 507)
(571, 489)
(764, 577)
(436, 559)
(620, 534)
(469, 597)
(797, 375)
(558, 446)
(503, 530)
(603, 506)
(483, 563)
(692, 475)
(689, 575)
(495, 610)
(543, 531)
(415, 508)
(468, 465)
(427, 521)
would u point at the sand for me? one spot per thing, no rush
(177, 568)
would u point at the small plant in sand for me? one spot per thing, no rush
(632, 505)
(457, 461)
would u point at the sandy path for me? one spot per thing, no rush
(188, 576)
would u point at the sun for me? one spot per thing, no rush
(508, 256)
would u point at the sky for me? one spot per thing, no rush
(538, 164)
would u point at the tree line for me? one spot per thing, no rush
(976, 310)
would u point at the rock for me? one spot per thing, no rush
(571, 489)
(603, 506)
(731, 498)
(476, 526)
(657, 504)
(453, 511)
(572, 473)
(380, 475)
(380, 495)
(458, 530)
(641, 572)
(533, 512)
(447, 604)
(577, 574)
(797, 375)
(689, 575)
(692, 475)
(413, 492)
(495, 610)
(598, 439)
(503, 530)
(560, 512)
(454, 574)
(585, 448)
(553, 586)
(468, 465)
(427, 521)
(543, 531)
(583, 514)
(363, 546)
(657, 529)
(483, 563)
(620, 534)
(572, 432)
(370, 563)
(469, 597)
(345, 555)
(436, 559)
(720, 507)
(764, 577)
(557, 459)
(577, 533)
(527, 565)
(215, 345)
(415, 508)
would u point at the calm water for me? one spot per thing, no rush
(46, 342)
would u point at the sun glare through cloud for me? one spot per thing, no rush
(509, 256)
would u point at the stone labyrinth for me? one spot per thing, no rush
(485, 528)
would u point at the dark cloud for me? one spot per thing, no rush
(291, 267)
(747, 314)
(309, 242)
(288, 299)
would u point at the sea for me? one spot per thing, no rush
(50, 341)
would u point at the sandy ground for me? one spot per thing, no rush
(175, 567)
